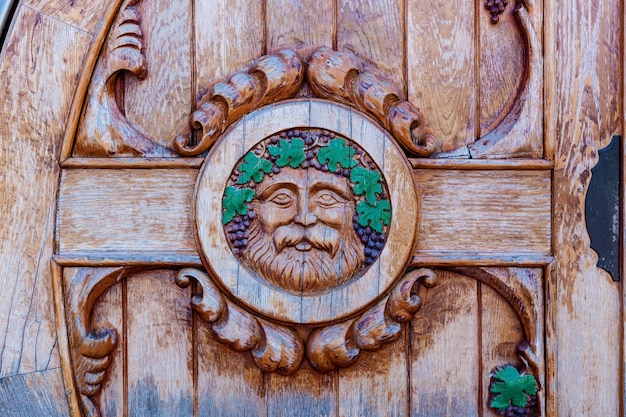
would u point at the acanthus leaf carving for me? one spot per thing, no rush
(339, 345)
(105, 130)
(279, 348)
(90, 348)
(270, 78)
(274, 348)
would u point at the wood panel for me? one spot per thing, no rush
(302, 26)
(584, 346)
(126, 212)
(441, 69)
(484, 211)
(217, 52)
(40, 61)
(82, 14)
(444, 379)
(37, 394)
(159, 346)
(502, 66)
(165, 95)
(375, 32)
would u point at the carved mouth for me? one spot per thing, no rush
(304, 246)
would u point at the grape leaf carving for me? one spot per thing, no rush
(337, 154)
(374, 215)
(366, 182)
(253, 168)
(234, 202)
(288, 152)
(513, 388)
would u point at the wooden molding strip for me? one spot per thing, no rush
(154, 260)
(62, 339)
(458, 258)
(483, 164)
(138, 163)
(85, 78)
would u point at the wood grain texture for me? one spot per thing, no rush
(502, 66)
(375, 32)
(444, 350)
(378, 384)
(82, 14)
(482, 211)
(159, 346)
(441, 71)
(108, 212)
(228, 383)
(219, 53)
(299, 25)
(306, 393)
(40, 62)
(165, 94)
(584, 315)
(37, 394)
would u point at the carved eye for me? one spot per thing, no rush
(281, 198)
(328, 199)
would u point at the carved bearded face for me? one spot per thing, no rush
(302, 236)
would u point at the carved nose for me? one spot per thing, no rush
(305, 216)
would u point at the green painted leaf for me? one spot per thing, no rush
(366, 182)
(514, 388)
(374, 215)
(288, 152)
(253, 168)
(337, 154)
(234, 202)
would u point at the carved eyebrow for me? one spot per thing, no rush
(342, 192)
(267, 193)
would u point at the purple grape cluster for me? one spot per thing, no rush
(496, 8)
(237, 231)
(373, 241)
(529, 411)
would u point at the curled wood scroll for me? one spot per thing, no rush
(343, 77)
(278, 348)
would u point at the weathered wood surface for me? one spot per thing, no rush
(85, 15)
(40, 62)
(36, 394)
(585, 314)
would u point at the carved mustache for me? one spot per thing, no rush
(319, 237)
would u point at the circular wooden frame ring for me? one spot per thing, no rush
(239, 281)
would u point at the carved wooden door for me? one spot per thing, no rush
(317, 208)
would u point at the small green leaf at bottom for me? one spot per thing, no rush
(513, 388)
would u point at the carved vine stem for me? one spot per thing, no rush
(524, 118)
(105, 130)
(90, 349)
(268, 79)
(343, 77)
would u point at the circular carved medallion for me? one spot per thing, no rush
(306, 212)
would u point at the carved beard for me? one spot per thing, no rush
(330, 262)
